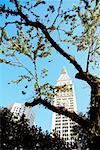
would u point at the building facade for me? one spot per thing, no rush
(61, 124)
(19, 109)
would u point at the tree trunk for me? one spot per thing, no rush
(94, 115)
(95, 106)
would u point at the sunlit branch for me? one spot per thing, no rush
(15, 64)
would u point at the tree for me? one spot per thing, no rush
(34, 37)
(18, 134)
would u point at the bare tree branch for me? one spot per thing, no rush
(14, 22)
(58, 11)
(23, 66)
(97, 2)
(91, 80)
(4, 10)
(61, 110)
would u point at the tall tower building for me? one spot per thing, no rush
(61, 124)
(19, 109)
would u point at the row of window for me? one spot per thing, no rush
(64, 120)
(64, 125)
(69, 92)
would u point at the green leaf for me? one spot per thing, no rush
(36, 86)
(98, 53)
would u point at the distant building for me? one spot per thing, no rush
(19, 109)
(64, 125)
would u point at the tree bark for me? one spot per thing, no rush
(95, 104)
(94, 115)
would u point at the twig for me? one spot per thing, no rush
(58, 12)
(23, 66)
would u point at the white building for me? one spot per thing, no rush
(19, 109)
(64, 125)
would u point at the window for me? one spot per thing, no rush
(71, 134)
(72, 138)
(65, 130)
(57, 124)
(57, 120)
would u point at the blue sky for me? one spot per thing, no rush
(10, 93)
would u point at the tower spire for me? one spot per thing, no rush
(64, 75)
(64, 71)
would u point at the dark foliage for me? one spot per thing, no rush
(17, 135)
(85, 140)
